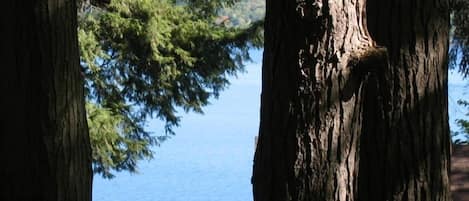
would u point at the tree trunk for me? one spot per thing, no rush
(344, 119)
(313, 74)
(405, 152)
(46, 155)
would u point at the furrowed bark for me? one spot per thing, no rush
(317, 57)
(44, 142)
(405, 153)
(346, 118)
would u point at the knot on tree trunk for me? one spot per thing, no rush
(369, 61)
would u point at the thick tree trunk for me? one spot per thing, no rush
(316, 56)
(329, 90)
(405, 152)
(45, 147)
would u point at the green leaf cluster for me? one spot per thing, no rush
(113, 141)
(464, 124)
(459, 49)
(147, 58)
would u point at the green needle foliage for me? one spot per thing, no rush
(464, 124)
(459, 52)
(147, 58)
(114, 145)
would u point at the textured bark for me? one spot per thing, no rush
(316, 56)
(328, 90)
(45, 147)
(406, 145)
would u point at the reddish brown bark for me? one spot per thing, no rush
(334, 103)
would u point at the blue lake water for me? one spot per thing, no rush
(457, 89)
(210, 157)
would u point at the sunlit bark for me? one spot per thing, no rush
(342, 111)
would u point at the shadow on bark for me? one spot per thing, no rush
(44, 140)
(404, 146)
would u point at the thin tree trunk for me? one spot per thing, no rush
(329, 90)
(45, 147)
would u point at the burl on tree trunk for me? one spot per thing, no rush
(349, 115)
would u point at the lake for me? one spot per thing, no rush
(210, 157)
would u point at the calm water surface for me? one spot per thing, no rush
(209, 158)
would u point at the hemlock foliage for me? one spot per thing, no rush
(459, 52)
(113, 145)
(464, 124)
(147, 58)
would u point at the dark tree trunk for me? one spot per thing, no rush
(405, 152)
(46, 155)
(344, 119)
